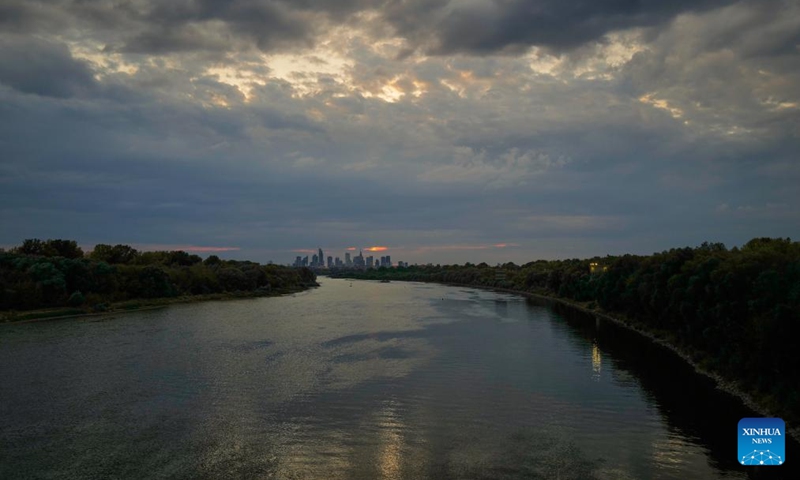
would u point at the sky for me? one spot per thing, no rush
(445, 131)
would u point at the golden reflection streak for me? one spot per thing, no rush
(390, 456)
(597, 361)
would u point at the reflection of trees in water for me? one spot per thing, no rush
(689, 403)
(525, 454)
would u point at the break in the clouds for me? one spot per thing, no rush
(442, 131)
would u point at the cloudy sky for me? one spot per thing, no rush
(447, 131)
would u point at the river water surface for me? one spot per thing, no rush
(359, 380)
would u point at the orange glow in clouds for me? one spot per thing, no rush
(376, 249)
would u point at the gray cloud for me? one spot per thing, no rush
(273, 126)
(183, 25)
(483, 27)
(439, 26)
(42, 67)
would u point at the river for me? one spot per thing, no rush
(359, 380)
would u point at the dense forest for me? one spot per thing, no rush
(56, 273)
(735, 311)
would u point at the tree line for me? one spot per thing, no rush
(735, 311)
(57, 273)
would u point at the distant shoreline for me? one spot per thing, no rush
(136, 305)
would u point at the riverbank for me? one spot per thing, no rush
(750, 400)
(137, 305)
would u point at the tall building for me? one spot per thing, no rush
(338, 262)
(321, 259)
(314, 261)
(347, 260)
(330, 261)
(388, 260)
(370, 261)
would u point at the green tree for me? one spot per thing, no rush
(76, 299)
(64, 248)
(118, 254)
(154, 282)
(212, 260)
(31, 246)
(232, 279)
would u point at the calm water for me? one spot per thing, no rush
(372, 380)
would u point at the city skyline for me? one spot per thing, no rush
(319, 261)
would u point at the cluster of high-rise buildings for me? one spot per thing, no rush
(318, 260)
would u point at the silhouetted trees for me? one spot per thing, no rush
(55, 273)
(118, 254)
(50, 248)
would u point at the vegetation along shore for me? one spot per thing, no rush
(732, 313)
(54, 278)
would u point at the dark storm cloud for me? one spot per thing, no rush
(482, 27)
(267, 24)
(41, 67)
(163, 27)
(436, 26)
(25, 16)
(156, 27)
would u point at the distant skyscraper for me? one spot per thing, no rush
(321, 259)
(388, 260)
(370, 261)
(298, 261)
(330, 261)
(347, 260)
(314, 261)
